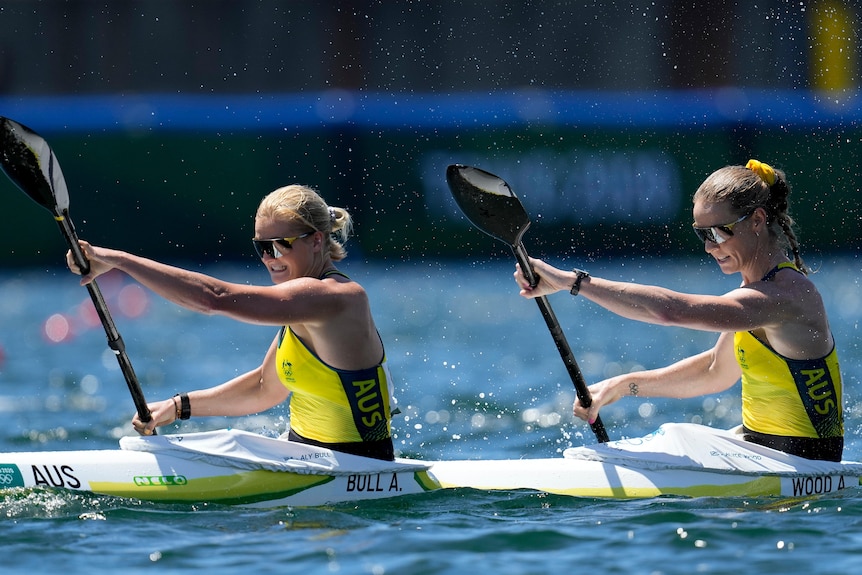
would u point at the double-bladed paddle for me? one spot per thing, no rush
(491, 205)
(30, 163)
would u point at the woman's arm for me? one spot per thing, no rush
(251, 392)
(742, 309)
(302, 300)
(711, 371)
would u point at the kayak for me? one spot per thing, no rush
(235, 467)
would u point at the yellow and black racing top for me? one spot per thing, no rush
(788, 397)
(345, 410)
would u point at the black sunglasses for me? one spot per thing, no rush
(263, 247)
(709, 234)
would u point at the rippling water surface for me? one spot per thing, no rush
(478, 376)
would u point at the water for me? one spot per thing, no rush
(478, 377)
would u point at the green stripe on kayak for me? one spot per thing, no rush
(235, 489)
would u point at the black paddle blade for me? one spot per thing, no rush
(488, 202)
(32, 166)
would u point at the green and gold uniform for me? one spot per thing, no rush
(790, 404)
(343, 410)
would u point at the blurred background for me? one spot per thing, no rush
(171, 118)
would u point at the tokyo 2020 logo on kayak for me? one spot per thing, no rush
(10, 476)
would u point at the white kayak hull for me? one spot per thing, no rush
(604, 480)
(168, 479)
(245, 469)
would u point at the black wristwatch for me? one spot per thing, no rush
(185, 409)
(579, 276)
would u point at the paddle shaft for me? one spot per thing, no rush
(32, 166)
(115, 341)
(560, 339)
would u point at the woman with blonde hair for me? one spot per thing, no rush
(774, 333)
(327, 356)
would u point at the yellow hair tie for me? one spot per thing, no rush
(765, 171)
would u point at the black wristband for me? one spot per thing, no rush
(185, 405)
(579, 276)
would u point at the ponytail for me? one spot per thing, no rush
(777, 206)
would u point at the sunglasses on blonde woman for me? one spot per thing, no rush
(711, 233)
(263, 247)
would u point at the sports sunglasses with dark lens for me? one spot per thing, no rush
(709, 234)
(263, 247)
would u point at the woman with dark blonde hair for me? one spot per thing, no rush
(774, 333)
(327, 356)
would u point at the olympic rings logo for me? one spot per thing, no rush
(10, 477)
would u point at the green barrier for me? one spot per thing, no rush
(600, 192)
(595, 192)
(178, 196)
